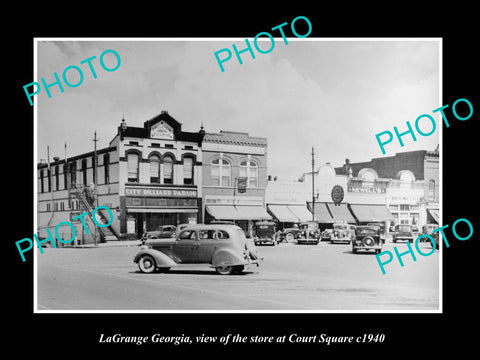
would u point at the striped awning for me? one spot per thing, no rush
(371, 212)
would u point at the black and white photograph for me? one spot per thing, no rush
(269, 172)
(223, 181)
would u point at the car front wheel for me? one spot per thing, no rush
(289, 237)
(146, 264)
(225, 270)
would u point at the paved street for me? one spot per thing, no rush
(291, 277)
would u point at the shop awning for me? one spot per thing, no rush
(283, 214)
(322, 215)
(237, 212)
(301, 212)
(434, 213)
(225, 212)
(371, 212)
(341, 213)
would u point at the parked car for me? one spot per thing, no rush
(367, 238)
(290, 234)
(342, 232)
(326, 234)
(428, 229)
(310, 233)
(164, 231)
(265, 233)
(404, 232)
(223, 247)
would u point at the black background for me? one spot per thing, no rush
(61, 335)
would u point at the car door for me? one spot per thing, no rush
(208, 243)
(186, 246)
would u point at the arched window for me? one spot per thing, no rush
(154, 169)
(188, 170)
(249, 169)
(431, 189)
(132, 165)
(168, 170)
(220, 172)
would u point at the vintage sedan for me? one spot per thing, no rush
(404, 232)
(367, 238)
(310, 233)
(289, 234)
(265, 233)
(164, 231)
(342, 232)
(223, 247)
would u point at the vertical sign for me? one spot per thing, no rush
(242, 184)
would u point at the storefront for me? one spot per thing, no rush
(243, 211)
(147, 208)
(286, 202)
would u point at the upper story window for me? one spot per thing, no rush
(188, 170)
(106, 167)
(42, 189)
(57, 178)
(65, 176)
(154, 169)
(168, 170)
(220, 172)
(431, 190)
(132, 165)
(73, 172)
(249, 169)
(84, 171)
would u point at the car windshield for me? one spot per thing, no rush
(404, 228)
(366, 231)
(340, 227)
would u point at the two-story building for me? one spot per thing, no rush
(148, 176)
(234, 178)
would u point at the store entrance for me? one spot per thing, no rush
(154, 220)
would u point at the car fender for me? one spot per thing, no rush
(226, 257)
(161, 259)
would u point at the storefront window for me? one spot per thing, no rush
(249, 170)
(220, 172)
(132, 160)
(167, 170)
(187, 170)
(154, 169)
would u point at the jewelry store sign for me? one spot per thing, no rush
(148, 192)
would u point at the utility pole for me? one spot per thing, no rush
(313, 185)
(95, 180)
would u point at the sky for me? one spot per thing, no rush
(331, 94)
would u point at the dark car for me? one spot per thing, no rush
(290, 234)
(367, 238)
(164, 231)
(310, 233)
(265, 233)
(223, 247)
(404, 232)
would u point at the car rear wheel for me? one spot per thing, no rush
(146, 264)
(289, 237)
(225, 270)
